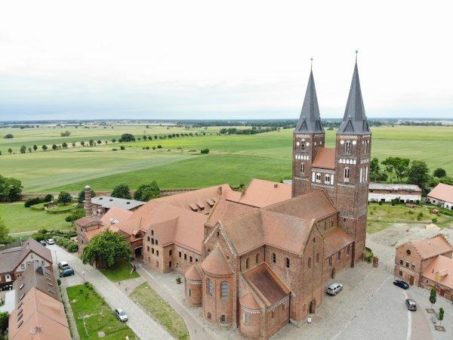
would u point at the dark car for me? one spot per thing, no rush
(67, 272)
(43, 243)
(411, 305)
(401, 284)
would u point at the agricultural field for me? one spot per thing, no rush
(233, 159)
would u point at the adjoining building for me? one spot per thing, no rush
(383, 192)
(39, 312)
(14, 261)
(442, 195)
(427, 263)
(261, 258)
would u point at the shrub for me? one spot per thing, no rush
(204, 151)
(75, 215)
(8, 136)
(419, 216)
(121, 191)
(64, 197)
(32, 201)
(178, 280)
(122, 147)
(434, 220)
(127, 137)
(146, 192)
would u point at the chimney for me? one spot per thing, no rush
(87, 203)
(275, 185)
(219, 191)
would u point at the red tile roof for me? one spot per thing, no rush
(248, 301)
(335, 240)
(441, 271)
(193, 274)
(443, 192)
(261, 193)
(216, 263)
(325, 159)
(433, 246)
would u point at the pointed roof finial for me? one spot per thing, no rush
(311, 64)
(356, 54)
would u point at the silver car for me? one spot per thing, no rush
(121, 315)
(334, 288)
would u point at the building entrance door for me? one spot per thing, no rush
(411, 280)
(312, 306)
(332, 274)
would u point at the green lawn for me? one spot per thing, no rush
(234, 159)
(120, 272)
(20, 219)
(382, 216)
(93, 315)
(161, 311)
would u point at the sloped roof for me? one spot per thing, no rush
(309, 120)
(354, 119)
(325, 159)
(284, 225)
(192, 273)
(399, 186)
(88, 221)
(11, 258)
(216, 264)
(433, 246)
(261, 193)
(265, 282)
(226, 210)
(43, 318)
(249, 301)
(441, 270)
(334, 240)
(443, 192)
(40, 278)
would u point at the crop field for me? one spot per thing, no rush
(233, 159)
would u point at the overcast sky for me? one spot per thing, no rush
(222, 59)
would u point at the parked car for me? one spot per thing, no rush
(401, 284)
(411, 305)
(43, 243)
(66, 272)
(334, 288)
(50, 241)
(121, 315)
(63, 265)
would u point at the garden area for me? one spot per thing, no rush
(93, 316)
(119, 272)
(160, 310)
(382, 215)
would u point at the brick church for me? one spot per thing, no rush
(260, 259)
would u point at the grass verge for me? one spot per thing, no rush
(120, 272)
(93, 315)
(161, 311)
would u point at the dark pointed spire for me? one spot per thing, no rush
(309, 120)
(354, 119)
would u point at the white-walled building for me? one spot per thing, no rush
(442, 195)
(382, 192)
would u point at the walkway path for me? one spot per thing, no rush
(142, 324)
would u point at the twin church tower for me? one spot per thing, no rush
(341, 172)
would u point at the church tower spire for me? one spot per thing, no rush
(309, 120)
(354, 119)
(308, 139)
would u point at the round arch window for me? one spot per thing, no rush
(408, 252)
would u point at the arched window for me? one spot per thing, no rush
(302, 145)
(224, 289)
(348, 147)
(208, 315)
(247, 263)
(274, 258)
(287, 262)
(302, 168)
(309, 262)
(209, 287)
(257, 258)
(223, 318)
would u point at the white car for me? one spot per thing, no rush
(50, 241)
(334, 288)
(121, 315)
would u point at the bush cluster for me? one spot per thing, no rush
(44, 234)
(36, 200)
(67, 243)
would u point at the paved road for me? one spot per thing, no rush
(142, 324)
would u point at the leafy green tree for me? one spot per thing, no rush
(10, 151)
(23, 149)
(10, 189)
(433, 296)
(54, 147)
(439, 173)
(4, 317)
(64, 145)
(146, 192)
(397, 165)
(418, 174)
(4, 231)
(121, 191)
(64, 198)
(107, 249)
(441, 314)
(35, 147)
(127, 137)
(44, 147)
(8, 136)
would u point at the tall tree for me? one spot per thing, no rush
(439, 173)
(64, 197)
(107, 249)
(146, 192)
(121, 191)
(4, 238)
(418, 174)
(10, 189)
(397, 165)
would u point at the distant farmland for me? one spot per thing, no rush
(232, 159)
